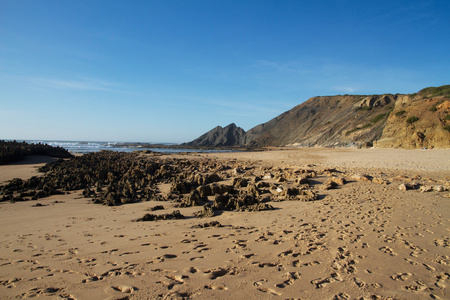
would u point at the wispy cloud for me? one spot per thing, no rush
(346, 89)
(281, 67)
(69, 84)
(275, 66)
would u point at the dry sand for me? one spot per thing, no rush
(361, 241)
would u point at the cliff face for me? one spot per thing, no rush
(326, 121)
(401, 121)
(418, 121)
(230, 135)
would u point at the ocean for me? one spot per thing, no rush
(89, 147)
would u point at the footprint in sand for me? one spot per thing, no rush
(240, 244)
(268, 290)
(217, 273)
(387, 250)
(195, 258)
(216, 287)
(129, 253)
(109, 251)
(359, 282)
(411, 261)
(201, 247)
(429, 268)
(259, 282)
(47, 292)
(10, 282)
(401, 276)
(309, 264)
(291, 277)
(113, 290)
(441, 279)
(321, 282)
(162, 258)
(419, 286)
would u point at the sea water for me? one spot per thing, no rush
(89, 147)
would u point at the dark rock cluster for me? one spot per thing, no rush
(175, 215)
(13, 151)
(115, 178)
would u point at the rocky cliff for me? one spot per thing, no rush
(419, 120)
(401, 121)
(326, 121)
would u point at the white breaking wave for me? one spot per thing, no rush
(89, 147)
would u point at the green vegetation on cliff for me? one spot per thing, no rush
(435, 91)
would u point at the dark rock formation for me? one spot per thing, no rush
(175, 215)
(231, 135)
(16, 151)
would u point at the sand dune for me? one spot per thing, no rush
(362, 240)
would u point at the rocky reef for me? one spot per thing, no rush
(13, 151)
(117, 178)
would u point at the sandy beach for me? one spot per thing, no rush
(362, 239)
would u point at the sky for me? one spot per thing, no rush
(168, 71)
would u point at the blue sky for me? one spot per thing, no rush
(168, 71)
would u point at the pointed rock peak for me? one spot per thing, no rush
(232, 125)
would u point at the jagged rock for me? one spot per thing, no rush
(237, 171)
(253, 190)
(221, 189)
(206, 212)
(241, 202)
(240, 182)
(380, 181)
(180, 187)
(303, 180)
(193, 199)
(175, 215)
(281, 179)
(297, 194)
(268, 176)
(405, 187)
(327, 186)
(263, 184)
(336, 181)
(425, 188)
(440, 188)
(208, 224)
(205, 191)
(361, 177)
(258, 207)
(157, 207)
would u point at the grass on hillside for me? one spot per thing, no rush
(435, 91)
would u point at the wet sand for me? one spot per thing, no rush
(361, 240)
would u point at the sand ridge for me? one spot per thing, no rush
(360, 240)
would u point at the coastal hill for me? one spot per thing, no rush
(230, 135)
(401, 121)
